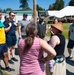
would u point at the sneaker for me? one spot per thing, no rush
(2, 68)
(9, 69)
(14, 59)
(69, 57)
(10, 61)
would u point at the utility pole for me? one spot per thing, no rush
(34, 11)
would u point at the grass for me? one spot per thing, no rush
(66, 29)
(5, 73)
(65, 32)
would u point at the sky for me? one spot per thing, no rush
(14, 4)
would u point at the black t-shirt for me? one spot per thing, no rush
(41, 29)
(12, 29)
(61, 47)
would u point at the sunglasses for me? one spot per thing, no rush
(12, 15)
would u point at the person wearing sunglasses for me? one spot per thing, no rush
(11, 37)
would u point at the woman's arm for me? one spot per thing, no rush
(47, 48)
(54, 40)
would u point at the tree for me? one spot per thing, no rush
(24, 5)
(71, 3)
(39, 8)
(0, 9)
(61, 4)
(50, 7)
(56, 5)
(4, 10)
(8, 9)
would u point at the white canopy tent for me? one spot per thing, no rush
(67, 11)
(51, 13)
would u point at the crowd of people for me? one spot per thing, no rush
(31, 45)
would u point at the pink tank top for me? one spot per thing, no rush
(31, 63)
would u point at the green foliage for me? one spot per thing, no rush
(8, 9)
(71, 3)
(56, 5)
(66, 29)
(0, 9)
(59, 4)
(39, 8)
(5, 73)
(24, 5)
(65, 32)
(50, 7)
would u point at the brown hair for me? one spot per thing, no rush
(10, 12)
(31, 32)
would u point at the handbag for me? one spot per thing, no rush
(59, 58)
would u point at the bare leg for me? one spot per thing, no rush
(13, 52)
(9, 49)
(5, 59)
(70, 52)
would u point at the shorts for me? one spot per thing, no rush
(3, 49)
(70, 44)
(10, 40)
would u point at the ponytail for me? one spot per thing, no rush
(31, 32)
(28, 43)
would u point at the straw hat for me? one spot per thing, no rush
(58, 26)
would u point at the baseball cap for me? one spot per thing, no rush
(25, 15)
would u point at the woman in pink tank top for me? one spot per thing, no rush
(31, 53)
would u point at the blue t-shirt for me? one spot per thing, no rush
(12, 29)
(1, 24)
(71, 28)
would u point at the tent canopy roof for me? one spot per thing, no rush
(67, 11)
